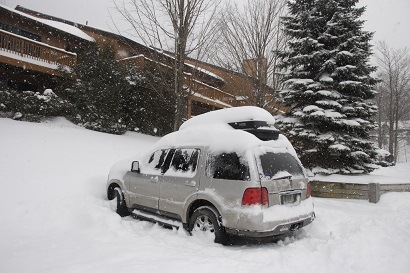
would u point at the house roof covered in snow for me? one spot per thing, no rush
(131, 43)
(59, 26)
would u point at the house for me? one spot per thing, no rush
(53, 42)
(240, 86)
(34, 51)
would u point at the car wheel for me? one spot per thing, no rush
(122, 209)
(205, 222)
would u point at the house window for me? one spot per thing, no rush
(18, 31)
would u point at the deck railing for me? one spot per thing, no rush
(212, 93)
(199, 90)
(32, 50)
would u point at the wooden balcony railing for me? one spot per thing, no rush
(219, 97)
(33, 52)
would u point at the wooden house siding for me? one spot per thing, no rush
(211, 87)
(32, 52)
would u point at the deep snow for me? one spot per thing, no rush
(399, 174)
(55, 217)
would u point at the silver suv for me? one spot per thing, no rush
(218, 175)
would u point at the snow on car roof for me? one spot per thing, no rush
(217, 138)
(222, 117)
(212, 129)
(220, 140)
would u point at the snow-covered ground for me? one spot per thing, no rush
(54, 217)
(399, 174)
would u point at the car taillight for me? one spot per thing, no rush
(308, 190)
(255, 196)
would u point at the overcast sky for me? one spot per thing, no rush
(389, 19)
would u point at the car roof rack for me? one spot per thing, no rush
(258, 128)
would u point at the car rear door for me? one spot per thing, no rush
(282, 174)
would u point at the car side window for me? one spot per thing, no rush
(227, 166)
(159, 161)
(184, 162)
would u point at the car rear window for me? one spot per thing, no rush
(274, 163)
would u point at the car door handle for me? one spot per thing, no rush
(154, 179)
(190, 183)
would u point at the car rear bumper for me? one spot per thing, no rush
(285, 227)
(260, 221)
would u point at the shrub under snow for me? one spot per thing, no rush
(32, 106)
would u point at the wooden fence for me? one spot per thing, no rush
(371, 191)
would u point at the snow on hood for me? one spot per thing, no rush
(222, 117)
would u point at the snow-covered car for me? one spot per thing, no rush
(224, 172)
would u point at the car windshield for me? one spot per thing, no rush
(277, 165)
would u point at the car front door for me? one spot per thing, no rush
(145, 186)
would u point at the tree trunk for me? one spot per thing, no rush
(181, 96)
(391, 131)
(396, 131)
(379, 123)
(391, 116)
(180, 49)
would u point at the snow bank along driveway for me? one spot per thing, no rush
(54, 217)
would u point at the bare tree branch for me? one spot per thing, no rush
(183, 27)
(250, 42)
(394, 72)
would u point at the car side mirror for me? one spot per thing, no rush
(135, 167)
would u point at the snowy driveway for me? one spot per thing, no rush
(55, 218)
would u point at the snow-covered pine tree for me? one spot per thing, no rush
(329, 86)
(99, 90)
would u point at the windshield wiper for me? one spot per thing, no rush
(282, 175)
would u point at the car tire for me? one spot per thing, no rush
(122, 209)
(206, 220)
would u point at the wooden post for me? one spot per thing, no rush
(374, 192)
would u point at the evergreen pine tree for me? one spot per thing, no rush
(329, 86)
(111, 97)
(99, 90)
(149, 103)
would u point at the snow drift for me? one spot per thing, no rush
(55, 218)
